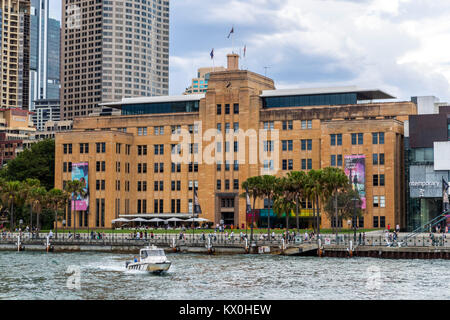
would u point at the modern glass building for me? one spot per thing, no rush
(44, 54)
(158, 105)
(320, 97)
(427, 165)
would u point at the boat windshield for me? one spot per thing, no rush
(152, 253)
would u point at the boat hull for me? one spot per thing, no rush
(150, 267)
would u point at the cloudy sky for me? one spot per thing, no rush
(399, 46)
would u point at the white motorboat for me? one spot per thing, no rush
(151, 259)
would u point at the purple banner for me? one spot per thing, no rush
(355, 169)
(80, 172)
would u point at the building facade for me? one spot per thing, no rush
(44, 54)
(112, 50)
(15, 53)
(146, 162)
(200, 83)
(45, 110)
(16, 128)
(428, 165)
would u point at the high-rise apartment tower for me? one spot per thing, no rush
(14, 53)
(112, 50)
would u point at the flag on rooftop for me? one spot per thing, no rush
(232, 31)
(212, 54)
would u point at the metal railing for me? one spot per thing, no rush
(221, 240)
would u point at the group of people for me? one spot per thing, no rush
(142, 235)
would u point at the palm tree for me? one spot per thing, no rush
(298, 182)
(56, 198)
(38, 197)
(335, 180)
(76, 189)
(284, 200)
(28, 186)
(253, 185)
(10, 195)
(315, 189)
(267, 188)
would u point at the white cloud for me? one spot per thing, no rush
(397, 45)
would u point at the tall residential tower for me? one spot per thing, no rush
(112, 50)
(15, 53)
(44, 54)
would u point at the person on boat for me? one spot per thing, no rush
(135, 259)
(50, 234)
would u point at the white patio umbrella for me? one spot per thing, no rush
(120, 220)
(140, 220)
(175, 220)
(197, 220)
(157, 220)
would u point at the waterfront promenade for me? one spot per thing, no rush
(373, 245)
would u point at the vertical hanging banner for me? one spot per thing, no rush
(355, 169)
(80, 172)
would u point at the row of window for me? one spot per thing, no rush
(288, 125)
(227, 109)
(287, 145)
(227, 185)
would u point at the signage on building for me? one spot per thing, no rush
(355, 169)
(80, 172)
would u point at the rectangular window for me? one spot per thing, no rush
(309, 164)
(376, 202)
(375, 222)
(339, 160)
(382, 222)
(219, 109)
(227, 109)
(381, 180)
(156, 206)
(142, 131)
(101, 147)
(354, 139)
(236, 108)
(382, 202)
(227, 184)
(360, 138)
(374, 138)
(375, 180)
(382, 159)
(375, 159)
(84, 148)
(306, 124)
(333, 140)
(236, 184)
(333, 161)
(219, 185)
(381, 137)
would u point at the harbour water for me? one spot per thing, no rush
(28, 275)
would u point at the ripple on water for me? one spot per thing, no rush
(104, 276)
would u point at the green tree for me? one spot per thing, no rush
(335, 180)
(57, 199)
(268, 189)
(314, 191)
(298, 183)
(345, 204)
(10, 194)
(27, 188)
(38, 198)
(253, 185)
(284, 202)
(38, 162)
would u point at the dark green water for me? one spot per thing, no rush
(199, 277)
